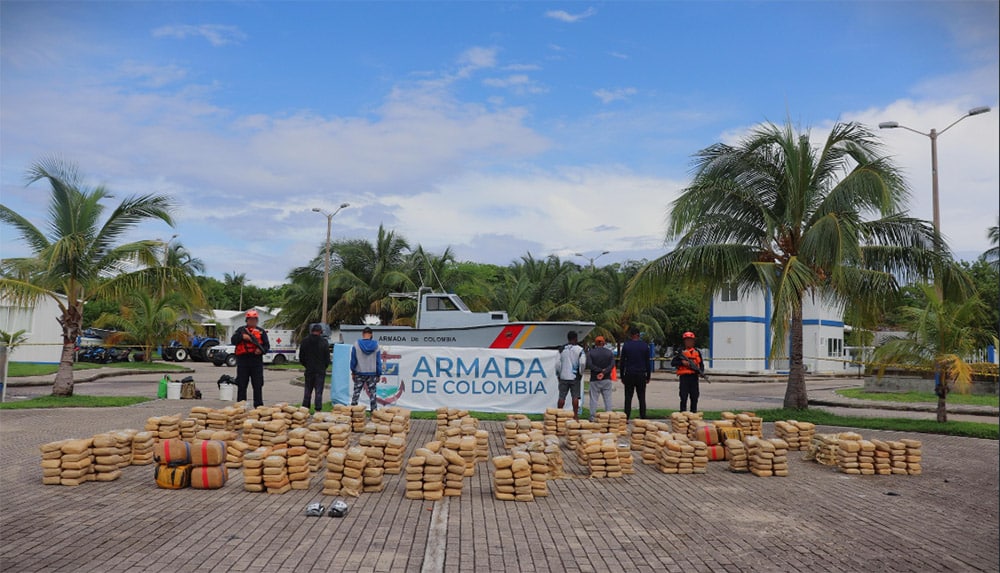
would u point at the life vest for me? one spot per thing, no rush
(694, 356)
(245, 347)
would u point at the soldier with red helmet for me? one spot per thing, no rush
(251, 345)
(690, 366)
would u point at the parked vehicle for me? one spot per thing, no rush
(282, 350)
(197, 350)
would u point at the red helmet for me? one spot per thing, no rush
(688, 334)
(252, 314)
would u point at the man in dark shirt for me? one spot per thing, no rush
(635, 371)
(314, 354)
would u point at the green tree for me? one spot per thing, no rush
(775, 214)
(365, 276)
(78, 257)
(992, 254)
(941, 337)
(149, 321)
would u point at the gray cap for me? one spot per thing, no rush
(316, 327)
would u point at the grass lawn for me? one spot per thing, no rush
(285, 366)
(75, 401)
(16, 369)
(953, 398)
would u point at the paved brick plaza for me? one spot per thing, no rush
(814, 520)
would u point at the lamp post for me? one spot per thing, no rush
(326, 252)
(933, 135)
(591, 259)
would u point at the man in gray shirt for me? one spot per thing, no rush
(601, 360)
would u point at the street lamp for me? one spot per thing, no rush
(933, 135)
(591, 259)
(326, 251)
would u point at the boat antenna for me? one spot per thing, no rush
(433, 274)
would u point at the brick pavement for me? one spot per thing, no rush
(816, 519)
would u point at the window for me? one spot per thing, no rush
(730, 293)
(834, 347)
(440, 303)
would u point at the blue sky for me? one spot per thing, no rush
(493, 128)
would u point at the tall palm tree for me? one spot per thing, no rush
(941, 337)
(992, 255)
(774, 214)
(149, 320)
(78, 257)
(365, 276)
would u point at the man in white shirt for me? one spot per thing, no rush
(570, 367)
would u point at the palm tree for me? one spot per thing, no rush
(365, 276)
(149, 321)
(941, 337)
(992, 255)
(79, 258)
(774, 214)
(617, 309)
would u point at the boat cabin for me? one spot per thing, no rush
(444, 310)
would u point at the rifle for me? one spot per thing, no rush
(253, 340)
(687, 361)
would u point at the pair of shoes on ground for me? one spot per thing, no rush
(337, 509)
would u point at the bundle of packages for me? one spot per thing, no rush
(316, 444)
(512, 477)
(173, 463)
(736, 451)
(414, 476)
(612, 423)
(914, 455)
(625, 458)
(703, 431)
(767, 457)
(750, 423)
(455, 471)
(164, 427)
(335, 459)
(676, 455)
(274, 433)
(107, 457)
(263, 413)
(779, 463)
(340, 435)
(189, 427)
(446, 415)
(883, 458)
(575, 431)
(224, 419)
(123, 441)
(223, 435)
(235, 451)
(482, 445)
(67, 462)
(425, 473)
(798, 434)
(253, 469)
(539, 471)
(555, 420)
(897, 457)
(599, 452)
(392, 461)
(638, 434)
(514, 425)
(356, 413)
(355, 463)
(848, 447)
(142, 448)
(700, 459)
(253, 432)
(823, 449)
(200, 415)
(652, 444)
(294, 416)
(297, 464)
(297, 436)
(400, 423)
(383, 417)
(679, 421)
(275, 473)
(208, 458)
(467, 449)
(374, 469)
(866, 458)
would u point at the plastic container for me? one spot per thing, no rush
(227, 392)
(173, 390)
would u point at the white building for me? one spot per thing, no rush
(227, 321)
(43, 334)
(740, 334)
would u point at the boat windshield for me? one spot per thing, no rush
(445, 302)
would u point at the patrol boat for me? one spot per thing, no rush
(443, 319)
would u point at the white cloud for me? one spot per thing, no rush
(216, 34)
(564, 16)
(522, 67)
(608, 96)
(153, 76)
(618, 55)
(517, 83)
(477, 58)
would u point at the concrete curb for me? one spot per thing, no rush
(16, 383)
(903, 407)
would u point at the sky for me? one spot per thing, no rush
(494, 128)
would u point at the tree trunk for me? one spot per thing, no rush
(795, 392)
(71, 322)
(942, 410)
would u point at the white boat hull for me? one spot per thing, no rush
(505, 335)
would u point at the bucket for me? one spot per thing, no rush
(226, 392)
(173, 390)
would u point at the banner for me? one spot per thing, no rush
(480, 379)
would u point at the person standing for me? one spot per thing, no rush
(635, 371)
(366, 367)
(569, 369)
(601, 361)
(314, 354)
(690, 366)
(251, 345)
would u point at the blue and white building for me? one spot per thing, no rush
(740, 334)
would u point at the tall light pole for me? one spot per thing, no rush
(591, 259)
(326, 253)
(933, 135)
